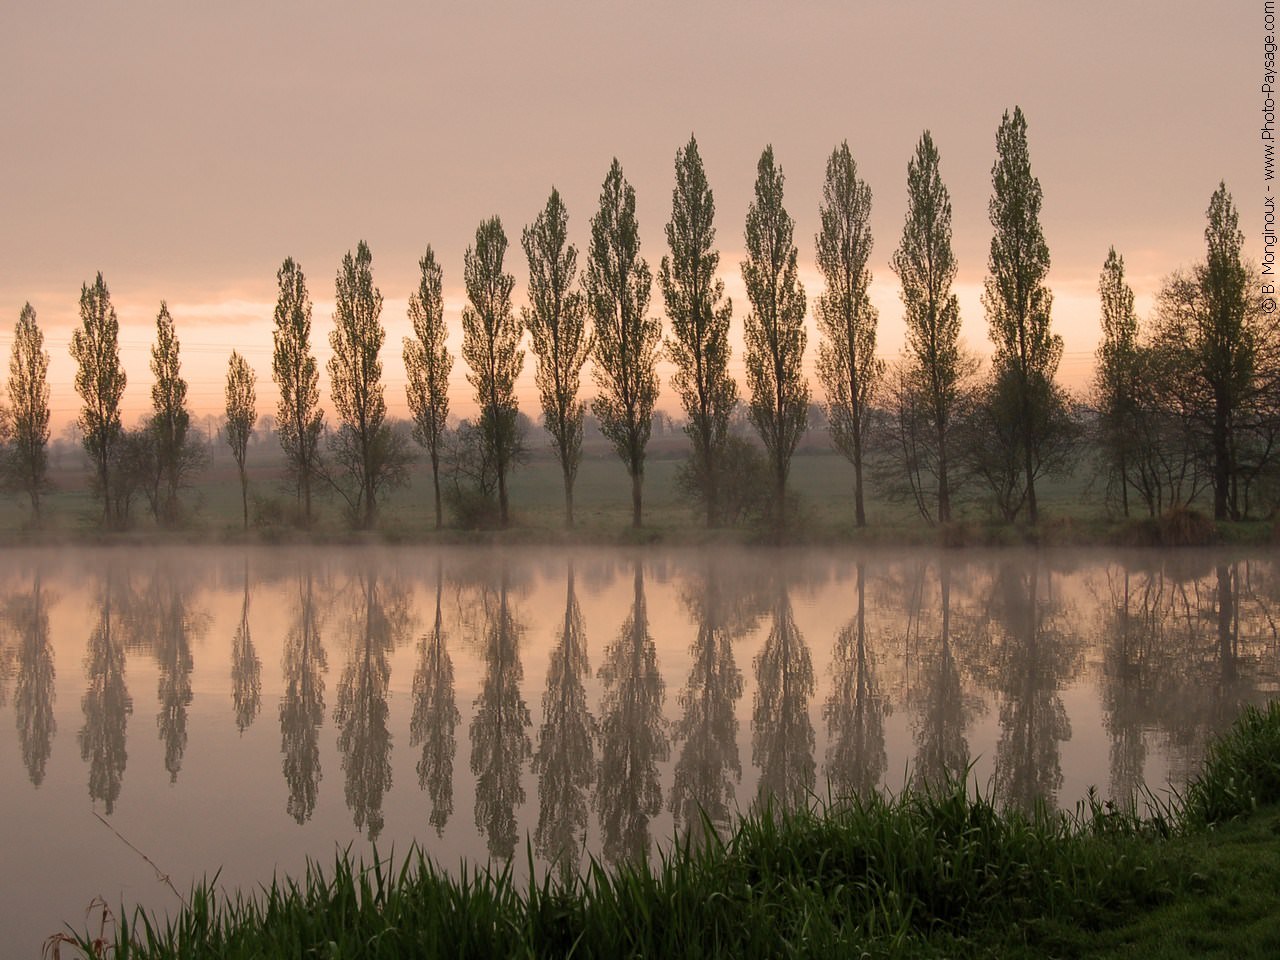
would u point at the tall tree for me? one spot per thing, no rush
(1222, 363)
(847, 364)
(618, 285)
(1115, 374)
(699, 316)
(490, 345)
(1015, 296)
(775, 332)
(556, 319)
(427, 365)
(175, 455)
(369, 456)
(242, 414)
(293, 367)
(26, 459)
(100, 381)
(926, 268)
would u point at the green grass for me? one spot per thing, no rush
(821, 484)
(938, 872)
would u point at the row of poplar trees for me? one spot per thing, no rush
(934, 426)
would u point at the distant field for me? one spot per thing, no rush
(822, 482)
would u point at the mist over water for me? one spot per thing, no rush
(244, 709)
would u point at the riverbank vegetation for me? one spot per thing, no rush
(933, 871)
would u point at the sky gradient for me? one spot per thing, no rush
(185, 150)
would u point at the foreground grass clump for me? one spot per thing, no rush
(936, 872)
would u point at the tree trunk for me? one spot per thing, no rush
(1032, 511)
(635, 498)
(502, 495)
(859, 511)
(568, 498)
(244, 495)
(1221, 459)
(435, 479)
(944, 493)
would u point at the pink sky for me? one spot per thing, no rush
(185, 151)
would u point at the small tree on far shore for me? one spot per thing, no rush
(241, 416)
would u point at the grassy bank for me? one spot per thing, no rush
(932, 873)
(822, 514)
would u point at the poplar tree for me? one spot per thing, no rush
(556, 320)
(699, 324)
(170, 419)
(1116, 372)
(26, 457)
(293, 367)
(775, 335)
(1017, 301)
(100, 382)
(241, 415)
(427, 365)
(937, 368)
(490, 345)
(367, 455)
(618, 286)
(847, 365)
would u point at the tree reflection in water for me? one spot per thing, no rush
(943, 710)
(435, 715)
(378, 618)
(499, 728)
(633, 737)
(33, 693)
(302, 706)
(1034, 660)
(246, 668)
(782, 735)
(162, 622)
(856, 709)
(106, 704)
(565, 762)
(709, 765)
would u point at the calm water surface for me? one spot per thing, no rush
(243, 710)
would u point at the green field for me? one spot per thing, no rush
(1072, 508)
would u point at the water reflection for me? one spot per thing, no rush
(1034, 660)
(246, 668)
(633, 735)
(782, 733)
(302, 706)
(855, 711)
(499, 730)
(106, 703)
(943, 709)
(564, 763)
(378, 617)
(709, 764)
(1047, 672)
(162, 622)
(33, 694)
(435, 715)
